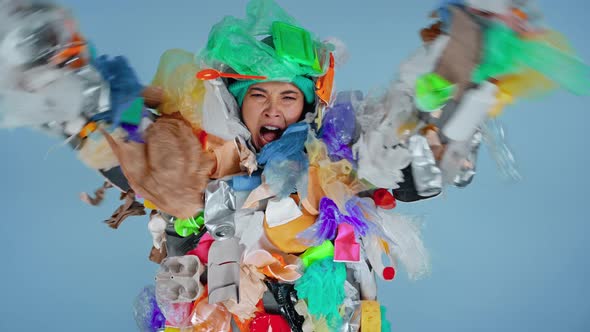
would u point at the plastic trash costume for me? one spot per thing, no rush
(291, 236)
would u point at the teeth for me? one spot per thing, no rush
(271, 128)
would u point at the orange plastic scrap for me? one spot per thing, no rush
(76, 47)
(87, 129)
(325, 83)
(520, 14)
(209, 317)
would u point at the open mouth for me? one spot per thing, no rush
(270, 133)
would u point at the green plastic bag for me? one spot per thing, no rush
(506, 53)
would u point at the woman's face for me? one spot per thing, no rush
(269, 108)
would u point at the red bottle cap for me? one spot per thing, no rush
(384, 199)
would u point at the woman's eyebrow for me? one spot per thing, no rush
(288, 92)
(258, 89)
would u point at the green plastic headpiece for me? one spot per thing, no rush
(240, 45)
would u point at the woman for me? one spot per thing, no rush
(395, 147)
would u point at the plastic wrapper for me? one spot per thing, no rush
(170, 169)
(364, 277)
(330, 217)
(286, 298)
(45, 95)
(249, 229)
(334, 179)
(404, 240)
(207, 317)
(235, 42)
(338, 128)
(529, 83)
(350, 309)
(494, 136)
(275, 265)
(325, 226)
(286, 164)
(252, 288)
(147, 314)
(96, 153)
(157, 227)
(505, 53)
(381, 159)
(223, 116)
(375, 251)
(123, 81)
(97, 92)
(301, 308)
(32, 34)
(322, 286)
(182, 92)
(177, 315)
(220, 207)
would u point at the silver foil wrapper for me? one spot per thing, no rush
(97, 92)
(220, 208)
(427, 176)
(459, 162)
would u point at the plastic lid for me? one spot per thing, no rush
(294, 43)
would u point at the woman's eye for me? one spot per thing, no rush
(257, 95)
(289, 98)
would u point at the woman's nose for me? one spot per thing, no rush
(272, 111)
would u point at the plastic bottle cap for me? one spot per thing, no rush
(384, 199)
(388, 273)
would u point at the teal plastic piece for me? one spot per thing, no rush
(322, 286)
(385, 325)
(506, 53)
(132, 115)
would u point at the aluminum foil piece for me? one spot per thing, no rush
(220, 208)
(97, 92)
(427, 176)
(351, 315)
(459, 162)
(467, 171)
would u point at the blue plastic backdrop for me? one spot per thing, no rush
(506, 256)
